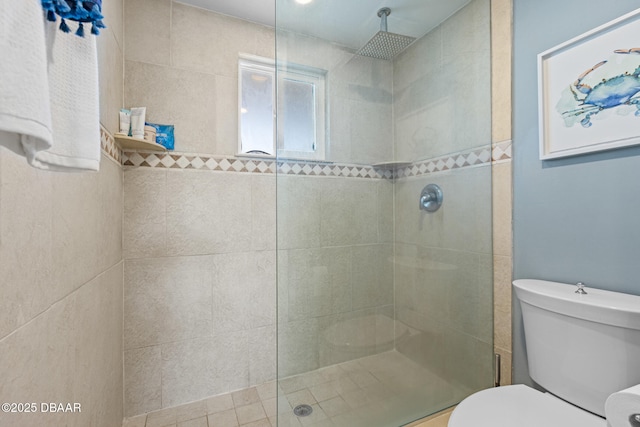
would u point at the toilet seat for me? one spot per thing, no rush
(520, 406)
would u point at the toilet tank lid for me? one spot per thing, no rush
(522, 406)
(607, 307)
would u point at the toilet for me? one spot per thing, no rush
(582, 345)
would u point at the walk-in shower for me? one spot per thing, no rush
(385, 307)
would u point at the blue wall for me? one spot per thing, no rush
(575, 219)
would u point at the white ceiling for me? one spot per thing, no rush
(348, 22)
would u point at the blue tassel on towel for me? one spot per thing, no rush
(81, 11)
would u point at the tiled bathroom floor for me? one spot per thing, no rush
(382, 390)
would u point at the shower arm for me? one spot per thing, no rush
(383, 13)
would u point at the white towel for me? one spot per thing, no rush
(25, 115)
(71, 92)
(75, 106)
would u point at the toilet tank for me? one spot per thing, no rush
(580, 348)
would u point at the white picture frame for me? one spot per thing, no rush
(587, 100)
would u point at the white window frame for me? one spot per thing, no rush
(300, 73)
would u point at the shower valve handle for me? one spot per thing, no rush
(431, 198)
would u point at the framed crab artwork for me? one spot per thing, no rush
(589, 91)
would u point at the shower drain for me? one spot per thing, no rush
(302, 410)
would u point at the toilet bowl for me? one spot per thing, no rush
(582, 345)
(520, 406)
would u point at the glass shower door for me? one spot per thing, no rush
(384, 309)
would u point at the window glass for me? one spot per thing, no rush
(256, 111)
(301, 106)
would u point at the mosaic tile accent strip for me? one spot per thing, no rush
(233, 164)
(497, 153)
(109, 146)
(445, 163)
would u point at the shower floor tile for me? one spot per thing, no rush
(377, 391)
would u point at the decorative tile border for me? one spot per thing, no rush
(109, 146)
(440, 164)
(333, 169)
(496, 153)
(234, 164)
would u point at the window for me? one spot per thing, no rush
(301, 110)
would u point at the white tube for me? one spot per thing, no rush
(125, 121)
(137, 122)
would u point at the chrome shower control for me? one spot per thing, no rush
(431, 198)
(580, 289)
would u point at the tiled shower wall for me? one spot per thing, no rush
(443, 260)
(501, 36)
(61, 274)
(200, 245)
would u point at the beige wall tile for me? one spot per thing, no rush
(424, 114)
(502, 209)
(339, 141)
(167, 299)
(372, 276)
(208, 213)
(37, 361)
(421, 58)
(501, 55)
(464, 220)
(263, 212)
(298, 228)
(113, 12)
(147, 25)
(98, 370)
(26, 263)
(474, 290)
(184, 98)
(79, 237)
(244, 292)
(348, 211)
(385, 211)
(315, 52)
(297, 347)
(194, 369)
(360, 102)
(467, 31)
(59, 354)
(142, 380)
(319, 282)
(61, 274)
(436, 107)
(75, 240)
(476, 373)
(226, 115)
(262, 351)
(501, 35)
(110, 193)
(371, 132)
(111, 78)
(209, 42)
(144, 217)
(502, 301)
(265, 41)
(138, 421)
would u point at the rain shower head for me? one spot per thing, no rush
(385, 45)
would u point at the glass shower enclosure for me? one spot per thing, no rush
(384, 302)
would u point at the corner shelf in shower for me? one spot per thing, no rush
(129, 143)
(391, 165)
